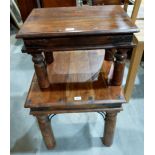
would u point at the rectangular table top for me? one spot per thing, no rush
(54, 22)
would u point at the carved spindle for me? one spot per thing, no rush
(46, 130)
(40, 69)
(109, 54)
(49, 57)
(119, 66)
(109, 128)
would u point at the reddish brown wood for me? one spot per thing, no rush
(81, 74)
(25, 7)
(109, 128)
(35, 111)
(109, 54)
(46, 130)
(76, 74)
(107, 2)
(42, 111)
(119, 66)
(62, 96)
(79, 42)
(40, 70)
(58, 3)
(49, 57)
(52, 22)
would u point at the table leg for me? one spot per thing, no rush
(49, 57)
(119, 66)
(40, 69)
(109, 54)
(109, 128)
(46, 130)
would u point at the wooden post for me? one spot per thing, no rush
(134, 64)
(119, 66)
(46, 130)
(109, 128)
(135, 10)
(126, 3)
(109, 54)
(40, 70)
(49, 57)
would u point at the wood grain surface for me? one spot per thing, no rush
(77, 80)
(50, 22)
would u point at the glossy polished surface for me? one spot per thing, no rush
(77, 79)
(50, 22)
(78, 66)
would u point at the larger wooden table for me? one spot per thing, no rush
(77, 81)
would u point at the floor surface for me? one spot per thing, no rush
(76, 134)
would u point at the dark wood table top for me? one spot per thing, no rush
(52, 22)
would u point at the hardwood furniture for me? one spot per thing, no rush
(98, 86)
(132, 11)
(135, 60)
(135, 10)
(138, 50)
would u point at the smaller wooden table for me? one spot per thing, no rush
(78, 86)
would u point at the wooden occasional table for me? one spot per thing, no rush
(77, 81)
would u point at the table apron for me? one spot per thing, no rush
(47, 112)
(79, 42)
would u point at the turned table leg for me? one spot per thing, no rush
(109, 128)
(46, 130)
(119, 65)
(109, 54)
(40, 70)
(49, 57)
